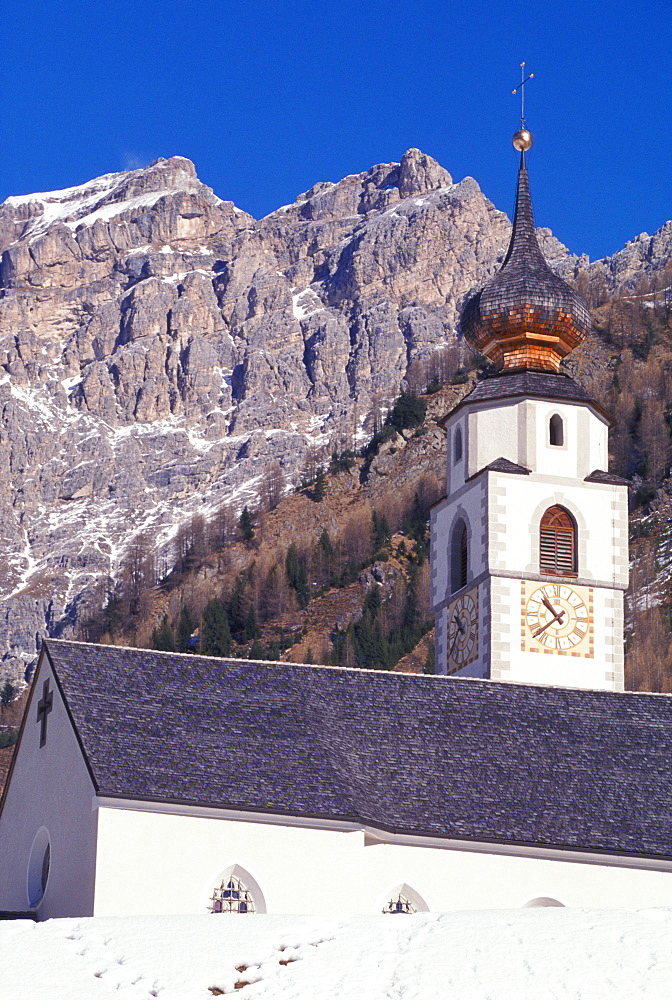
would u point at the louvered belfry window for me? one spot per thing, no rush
(557, 543)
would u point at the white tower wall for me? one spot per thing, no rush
(502, 508)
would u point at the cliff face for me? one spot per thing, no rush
(160, 349)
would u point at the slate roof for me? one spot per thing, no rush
(529, 383)
(524, 382)
(600, 476)
(503, 465)
(525, 280)
(472, 760)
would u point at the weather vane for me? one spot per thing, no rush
(522, 140)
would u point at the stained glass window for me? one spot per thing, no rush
(231, 896)
(399, 904)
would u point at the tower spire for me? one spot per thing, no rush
(526, 316)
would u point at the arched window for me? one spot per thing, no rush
(232, 896)
(404, 899)
(556, 431)
(457, 450)
(236, 891)
(399, 904)
(459, 556)
(543, 901)
(557, 543)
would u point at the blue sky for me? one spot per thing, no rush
(269, 97)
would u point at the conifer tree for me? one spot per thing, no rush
(236, 608)
(324, 558)
(185, 628)
(246, 525)
(319, 487)
(6, 694)
(162, 637)
(380, 530)
(430, 666)
(215, 632)
(297, 575)
(369, 643)
(257, 651)
(251, 625)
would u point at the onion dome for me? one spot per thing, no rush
(526, 316)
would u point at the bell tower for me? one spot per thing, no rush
(530, 546)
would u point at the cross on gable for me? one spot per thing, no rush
(44, 706)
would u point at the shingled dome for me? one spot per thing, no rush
(526, 317)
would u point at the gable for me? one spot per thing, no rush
(46, 809)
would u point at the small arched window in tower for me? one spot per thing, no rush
(232, 896)
(457, 450)
(459, 556)
(556, 431)
(557, 543)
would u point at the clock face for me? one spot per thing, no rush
(462, 631)
(557, 619)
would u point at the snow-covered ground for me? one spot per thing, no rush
(528, 954)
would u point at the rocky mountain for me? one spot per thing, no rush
(160, 349)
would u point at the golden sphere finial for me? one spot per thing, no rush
(522, 140)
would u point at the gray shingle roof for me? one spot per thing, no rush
(518, 383)
(503, 465)
(600, 476)
(471, 760)
(529, 383)
(524, 280)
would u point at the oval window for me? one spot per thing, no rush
(39, 867)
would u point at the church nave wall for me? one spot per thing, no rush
(174, 861)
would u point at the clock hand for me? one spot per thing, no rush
(460, 630)
(557, 614)
(556, 618)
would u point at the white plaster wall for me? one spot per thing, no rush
(519, 430)
(170, 863)
(457, 471)
(50, 787)
(494, 433)
(470, 505)
(603, 671)
(160, 863)
(516, 505)
(461, 880)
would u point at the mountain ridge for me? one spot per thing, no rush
(162, 350)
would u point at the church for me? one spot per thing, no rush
(521, 774)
